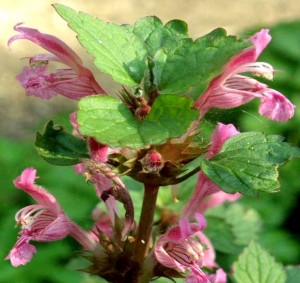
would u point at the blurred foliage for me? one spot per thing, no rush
(280, 231)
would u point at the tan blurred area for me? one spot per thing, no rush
(20, 115)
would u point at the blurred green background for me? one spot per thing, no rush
(280, 231)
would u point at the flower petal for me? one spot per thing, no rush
(164, 258)
(36, 82)
(219, 277)
(21, 253)
(229, 90)
(219, 136)
(217, 199)
(26, 183)
(209, 254)
(260, 40)
(73, 83)
(197, 276)
(235, 91)
(46, 227)
(276, 106)
(201, 221)
(204, 186)
(98, 151)
(75, 86)
(50, 43)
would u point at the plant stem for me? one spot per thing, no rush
(146, 222)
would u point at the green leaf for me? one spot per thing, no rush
(157, 36)
(172, 113)
(109, 121)
(256, 265)
(293, 274)
(116, 49)
(216, 227)
(237, 225)
(177, 27)
(248, 163)
(190, 63)
(179, 62)
(59, 147)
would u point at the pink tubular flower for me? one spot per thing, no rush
(216, 199)
(42, 222)
(220, 135)
(229, 89)
(103, 224)
(185, 247)
(204, 186)
(74, 82)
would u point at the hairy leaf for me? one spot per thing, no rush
(117, 50)
(109, 121)
(256, 265)
(237, 225)
(191, 63)
(248, 163)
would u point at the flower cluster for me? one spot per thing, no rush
(181, 248)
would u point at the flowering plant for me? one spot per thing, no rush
(152, 131)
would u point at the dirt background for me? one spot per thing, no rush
(20, 115)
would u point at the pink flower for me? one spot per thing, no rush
(220, 135)
(99, 152)
(103, 224)
(74, 82)
(42, 222)
(229, 89)
(204, 186)
(216, 199)
(219, 277)
(185, 247)
(195, 277)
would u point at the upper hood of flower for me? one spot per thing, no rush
(49, 42)
(26, 182)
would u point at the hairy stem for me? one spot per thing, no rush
(146, 221)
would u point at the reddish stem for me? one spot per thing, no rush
(146, 221)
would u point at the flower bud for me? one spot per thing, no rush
(152, 162)
(142, 111)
